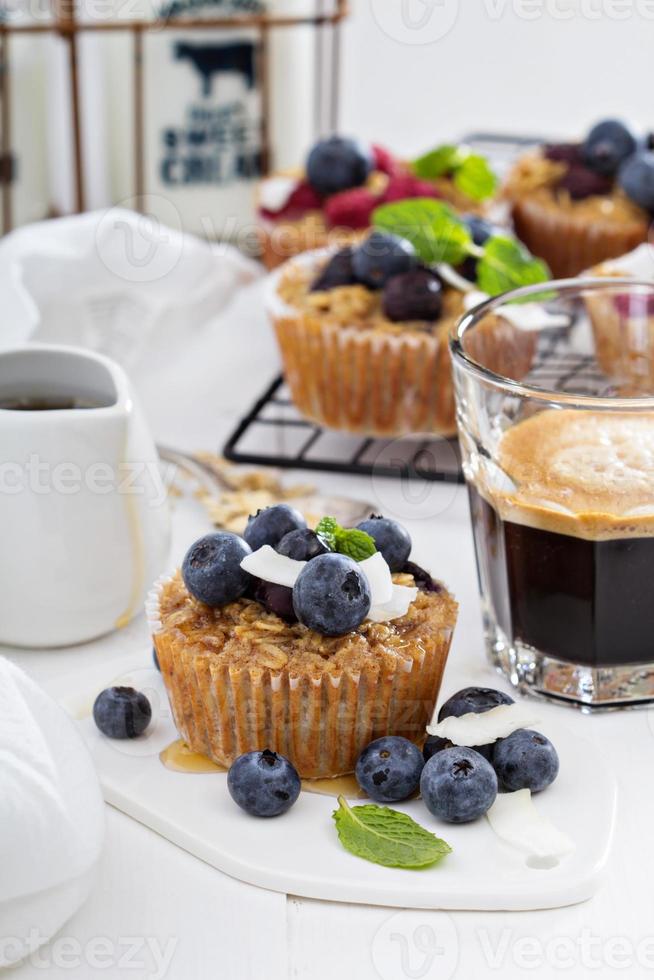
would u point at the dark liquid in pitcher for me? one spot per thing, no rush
(587, 602)
(34, 403)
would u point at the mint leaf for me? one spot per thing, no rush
(355, 544)
(326, 530)
(431, 226)
(436, 163)
(470, 171)
(349, 541)
(385, 836)
(474, 177)
(506, 264)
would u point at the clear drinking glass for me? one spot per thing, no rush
(559, 463)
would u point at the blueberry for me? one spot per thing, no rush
(390, 538)
(636, 178)
(269, 526)
(434, 744)
(413, 295)
(212, 569)
(473, 700)
(458, 785)
(525, 760)
(277, 599)
(480, 228)
(423, 579)
(389, 769)
(264, 784)
(155, 658)
(302, 545)
(337, 163)
(382, 256)
(569, 153)
(608, 145)
(122, 712)
(337, 272)
(331, 595)
(581, 182)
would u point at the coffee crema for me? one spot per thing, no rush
(565, 539)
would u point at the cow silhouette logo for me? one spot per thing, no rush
(210, 60)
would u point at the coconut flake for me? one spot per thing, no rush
(379, 578)
(398, 605)
(486, 727)
(515, 819)
(524, 316)
(639, 263)
(275, 192)
(268, 564)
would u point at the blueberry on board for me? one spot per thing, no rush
(331, 595)
(302, 545)
(264, 784)
(212, 569)
(390, 538)
(381, 256)
(473, 700)
(434, 744)
(337, 163)
(607, 146)
(525, 760)
(636, 178)
(268, 526)
(122, 712)
(337, 272)
(277, 599)
(155, 659)
(458, 785)
(389, 768)
(413, 295)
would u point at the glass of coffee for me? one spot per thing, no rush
(559, 464)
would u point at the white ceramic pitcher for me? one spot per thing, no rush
(84, 520)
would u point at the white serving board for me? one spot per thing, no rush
(299, 853)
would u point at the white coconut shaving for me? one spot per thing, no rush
(515, 819)
(275, 192)
(398, 605)
(269, 565)
(486, 727)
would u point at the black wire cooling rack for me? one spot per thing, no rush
(273, 433)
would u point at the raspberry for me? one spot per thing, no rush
(402, 186)
(303, 199)
(351, 209)
(384, 160)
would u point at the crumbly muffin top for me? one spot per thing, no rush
(357, 307)
(586, 474)
(535, 177)
(244, 634)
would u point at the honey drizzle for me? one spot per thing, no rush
(179, 758)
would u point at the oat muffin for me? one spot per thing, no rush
(375, 361)
(577, 204)
(267, 669)
(331, 199)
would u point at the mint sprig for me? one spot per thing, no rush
(388, 837)
(507, 264)
(439, 236)
(431, 226)
(469, 171)
(349, 541)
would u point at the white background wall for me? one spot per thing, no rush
(417, 71)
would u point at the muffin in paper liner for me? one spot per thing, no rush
(570, 235)
(233, 690)
(623, 323)
(379, 378)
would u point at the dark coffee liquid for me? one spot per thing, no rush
(587, 602)
(37, 404)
